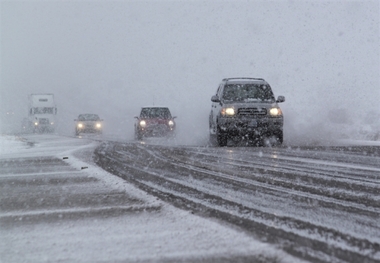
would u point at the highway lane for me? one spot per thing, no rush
(318, 203)
(57, 205)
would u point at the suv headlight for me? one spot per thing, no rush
(171, 123)
(228, 111)
(275, 112)
(80, 125)
(143, 124)
(98, 125)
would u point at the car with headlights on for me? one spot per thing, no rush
(88, 123)
(245, 108)
(154, 122)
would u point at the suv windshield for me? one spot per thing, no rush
(88, 117)
(248, 92)
(149, 113)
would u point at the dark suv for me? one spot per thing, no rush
(245, 108)
(154, 122)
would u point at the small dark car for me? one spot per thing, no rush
(154, 122)
(246, 108)
(88, 123)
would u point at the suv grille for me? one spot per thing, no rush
(252, 111)
(44, 121)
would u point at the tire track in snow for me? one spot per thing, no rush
(151, 170)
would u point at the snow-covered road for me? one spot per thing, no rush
(56, 205)
(320, 203)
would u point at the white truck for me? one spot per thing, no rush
(41, 113)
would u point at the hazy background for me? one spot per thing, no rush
(112, 57)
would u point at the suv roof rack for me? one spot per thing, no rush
(227, 79)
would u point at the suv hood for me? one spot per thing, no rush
(250, 105)
(156, 120)
(89, 121)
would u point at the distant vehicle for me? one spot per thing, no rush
(246, 108)
(88, 123)
(41, 113)
(154, 122)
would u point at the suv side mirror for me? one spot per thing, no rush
(215, 99)
(136, 117)
(280, 99)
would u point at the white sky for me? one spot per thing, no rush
(112, 57)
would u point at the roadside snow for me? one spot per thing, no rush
(11, 144)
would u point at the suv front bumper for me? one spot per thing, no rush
(250, 126)
(156, 131)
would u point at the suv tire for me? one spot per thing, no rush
(280, 137)
(221, 137)
(138, 136)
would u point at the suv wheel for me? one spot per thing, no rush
(138, 136)
(221, 137)
(280, 137)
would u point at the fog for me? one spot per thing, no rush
(113, 57)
